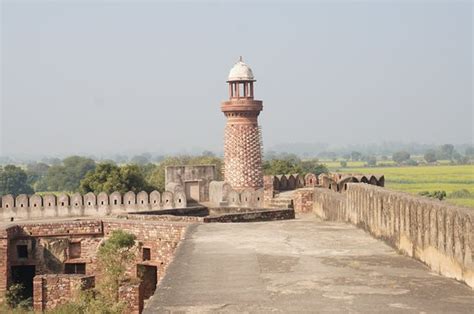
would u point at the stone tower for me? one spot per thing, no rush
(242, 140)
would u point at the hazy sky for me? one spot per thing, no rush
(95, 77)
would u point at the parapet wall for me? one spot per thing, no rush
(439, 234)
(76, 205)
(222, 194)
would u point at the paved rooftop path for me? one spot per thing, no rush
(300, 266)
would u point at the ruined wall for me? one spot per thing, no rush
(202, 175)
(26, 207)
(436, 233)
(53, 290)
(131, 293)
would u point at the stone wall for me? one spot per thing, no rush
(131, 293)
(49, 206)
(53, 290)
(181, 176)
(49, 250)
(222, 194)
(434, 232)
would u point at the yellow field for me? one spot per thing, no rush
(426, 178)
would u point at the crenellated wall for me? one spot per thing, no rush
(222, 194)
(434, 232)
(76, 205)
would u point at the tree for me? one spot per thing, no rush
(355, 156)
(400, 156)
(469, 152)
(430, 156)
(35, 172)
(110, 177)
(371, 161)
(68, 175)
(13, 180)
(140, 160)
(343, 163)
(445, 152)
(114, 255)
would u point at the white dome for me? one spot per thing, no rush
(240, 72)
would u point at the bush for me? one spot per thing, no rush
(15, 298)
(435, 194)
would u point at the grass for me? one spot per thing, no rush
(426, 178)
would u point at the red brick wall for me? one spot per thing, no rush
(303, 200)
(53, 290)
(132, 295)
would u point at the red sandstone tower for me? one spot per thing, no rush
(242, 142)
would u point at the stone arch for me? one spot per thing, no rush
(129, 199)
(258, 198)
(8, 202)
(103, 203)
(291, 182)
(283, 183)
(310, 180)
(246, 197)
(49, 205)
(167, 199)
(115, 200)
(63, 204)
(142, 200)
(76, 204)
(155, 199)
(90, 202)
(179, 199)
(276, 183)
(36, 202)
(76, 200)
(381, 181)
(234, 198)
(21, 201)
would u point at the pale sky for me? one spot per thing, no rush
(95, 77)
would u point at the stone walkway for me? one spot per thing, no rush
(300, 266)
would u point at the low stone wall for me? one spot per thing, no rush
(221, 194)
(253, 216)
(131, 293)
(437, 233)
(53, 290)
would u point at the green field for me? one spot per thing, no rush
(426, 178)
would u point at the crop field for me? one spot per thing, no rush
(428, 178)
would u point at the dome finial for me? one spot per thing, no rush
(240, 59)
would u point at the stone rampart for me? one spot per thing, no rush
(62, 206)
(437, 233)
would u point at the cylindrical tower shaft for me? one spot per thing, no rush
(242, 139)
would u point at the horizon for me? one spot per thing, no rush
(328, 73)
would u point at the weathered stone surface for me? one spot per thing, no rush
(299, 266)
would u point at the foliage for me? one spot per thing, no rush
(343, 163)
(35, 172)
(371, 161)
(113, 257)
(430, 156)
(435, 194)
(15, 298)
(109, 177)
(400, 156)
(293, 164)
(356, 156)
(13, 180)
(66, 176)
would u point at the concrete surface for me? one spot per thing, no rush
(300, 265)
